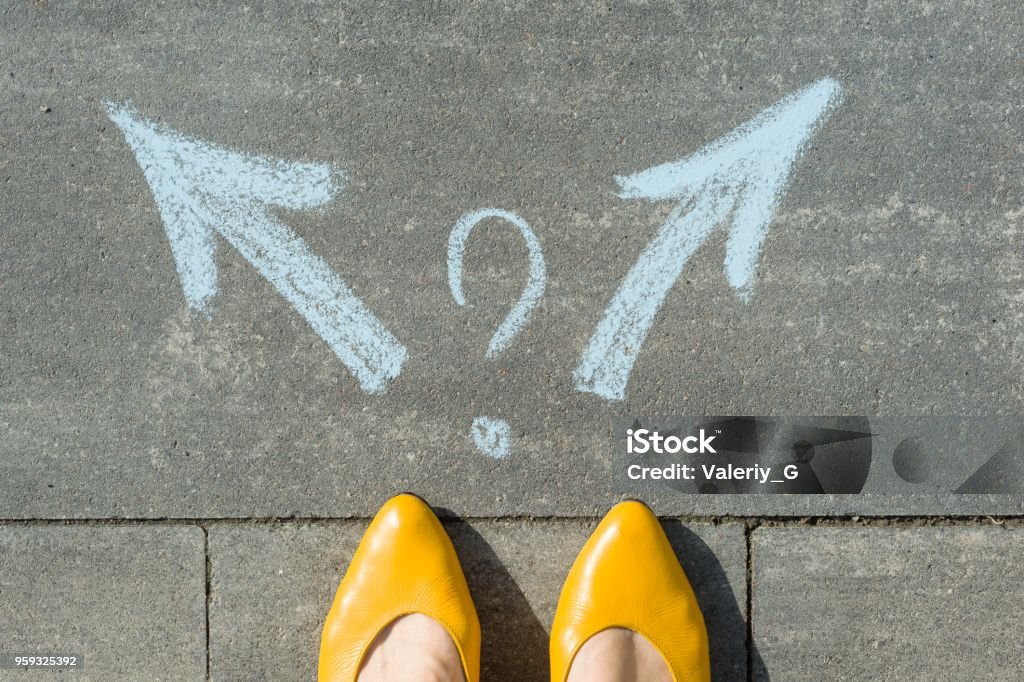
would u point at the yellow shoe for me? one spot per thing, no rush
(404, 564)
(627, 576)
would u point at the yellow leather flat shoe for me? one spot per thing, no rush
(627, 576)
(404, 564)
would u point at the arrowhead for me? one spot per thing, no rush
(738, 178)
(197, 186)
(201, 189)
(752, 163)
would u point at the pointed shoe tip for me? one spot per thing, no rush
(632, 509)
(406, 506)
(407, 500)
(631, 518)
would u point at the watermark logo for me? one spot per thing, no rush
(642, 441)
(763, 455)
(823, 455)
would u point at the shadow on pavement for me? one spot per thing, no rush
(727, 628)
(515, 644)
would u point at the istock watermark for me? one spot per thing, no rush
(641, 441)
(841, 455)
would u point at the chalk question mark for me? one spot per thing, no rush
(493, 437)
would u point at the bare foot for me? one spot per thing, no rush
(414, 648)
(618, 655)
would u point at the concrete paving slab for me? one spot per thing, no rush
(272, 586)
(888, 283)
(888, 603)
(131, 600)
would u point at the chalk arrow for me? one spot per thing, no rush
(201, 189)
(739, 179)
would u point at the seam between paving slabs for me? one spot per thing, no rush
(747, 533)
(208, 595)
(1008, 521)
(750, 525)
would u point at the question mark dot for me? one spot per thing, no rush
(493, 437)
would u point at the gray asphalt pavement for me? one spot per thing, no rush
(889, 281)
(197, 416)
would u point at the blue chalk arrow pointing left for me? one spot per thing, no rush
(202, 189)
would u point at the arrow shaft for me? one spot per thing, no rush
(619, 336)
(355, 335)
